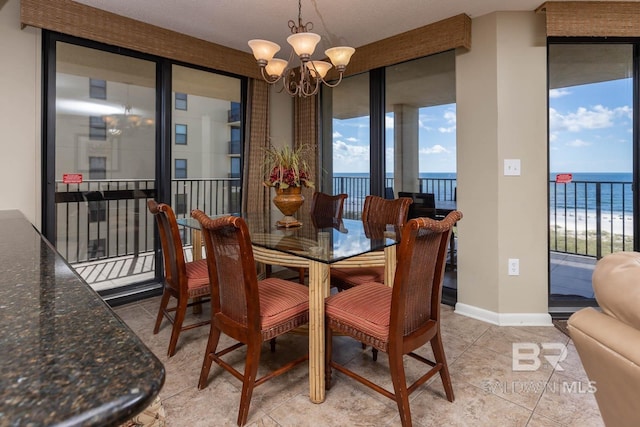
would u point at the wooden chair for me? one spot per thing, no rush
(325, 211)
(185, 281)
(376, 211)
(245, 309)
(400, 319)
(424, 205)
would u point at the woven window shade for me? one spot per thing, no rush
(591, 19)
(306, 133)
(450, 33)
(255, 197)
(75, 19)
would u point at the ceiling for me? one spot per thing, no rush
(232, 23)
(354, 23)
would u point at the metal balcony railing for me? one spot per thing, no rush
(106, 219)
(590, 218)
(103, 219)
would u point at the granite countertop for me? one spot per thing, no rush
(65, 358)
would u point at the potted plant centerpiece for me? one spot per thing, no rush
(287, 171)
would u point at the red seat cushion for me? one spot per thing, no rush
(284, 305)
(366, 307)
(349, 277)
(197, 278)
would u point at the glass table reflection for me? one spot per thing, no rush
(318, 244)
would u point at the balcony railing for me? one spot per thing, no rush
(358, 187)
(105, 219)
(590, 218)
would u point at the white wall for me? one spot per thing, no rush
(19, 114)
(502, 114)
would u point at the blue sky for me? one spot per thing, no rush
(590, 128)
(437, 136)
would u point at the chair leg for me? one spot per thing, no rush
(301, 274)
(163, 306)
(328, 345)
(438, 352)
(250, 372)
(272, 345)
(267, 270)
(399, 380)
(212, 345)
(181, 311)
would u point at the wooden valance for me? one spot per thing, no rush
(75, 19)
(450, 33)
(591, 18)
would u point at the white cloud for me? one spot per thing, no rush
(449, 129)
(388, 122)
(596, 118)
(558, 93)
(578, 143)
(352, 139)
(436, 149)
(349, 157)
(337, 134)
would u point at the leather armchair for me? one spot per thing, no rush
(608, 341)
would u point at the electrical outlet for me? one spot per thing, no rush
(514, 267)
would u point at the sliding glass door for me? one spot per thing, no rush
(105, 150)
(591, 163)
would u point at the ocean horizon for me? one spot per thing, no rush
(612, 189)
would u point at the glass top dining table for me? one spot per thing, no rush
(318, 244)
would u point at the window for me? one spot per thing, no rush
(181, 101)
(97, 167)
(181, 134)
(235, 167)
(97, 128)
(234, 112)
(180, 169)
(97, 89)
(234, 144)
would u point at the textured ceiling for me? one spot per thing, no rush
(352, 22)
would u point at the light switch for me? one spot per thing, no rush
(512, 167)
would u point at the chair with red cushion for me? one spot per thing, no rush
(243, 308)
(185, 281)
(377, 213)
(400, 319)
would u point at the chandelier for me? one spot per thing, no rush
(119, 123)
(305, 79)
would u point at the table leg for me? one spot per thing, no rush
(390, 261)
(318, 290)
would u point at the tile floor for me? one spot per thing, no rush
(488, 392)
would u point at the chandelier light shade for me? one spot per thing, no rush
(305, 78)
(127, 120)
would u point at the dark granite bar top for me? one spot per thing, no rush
(65, 358)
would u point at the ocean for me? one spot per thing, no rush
(612, 190)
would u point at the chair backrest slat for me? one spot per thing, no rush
(171, 243)
(232, 270)
(327, 206)
(417, 285)
(383, 211)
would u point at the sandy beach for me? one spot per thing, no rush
(582, 223)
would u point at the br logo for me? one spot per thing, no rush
(526, 355)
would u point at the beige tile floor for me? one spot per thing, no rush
(488, 392)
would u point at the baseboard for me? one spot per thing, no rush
(504, 319)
